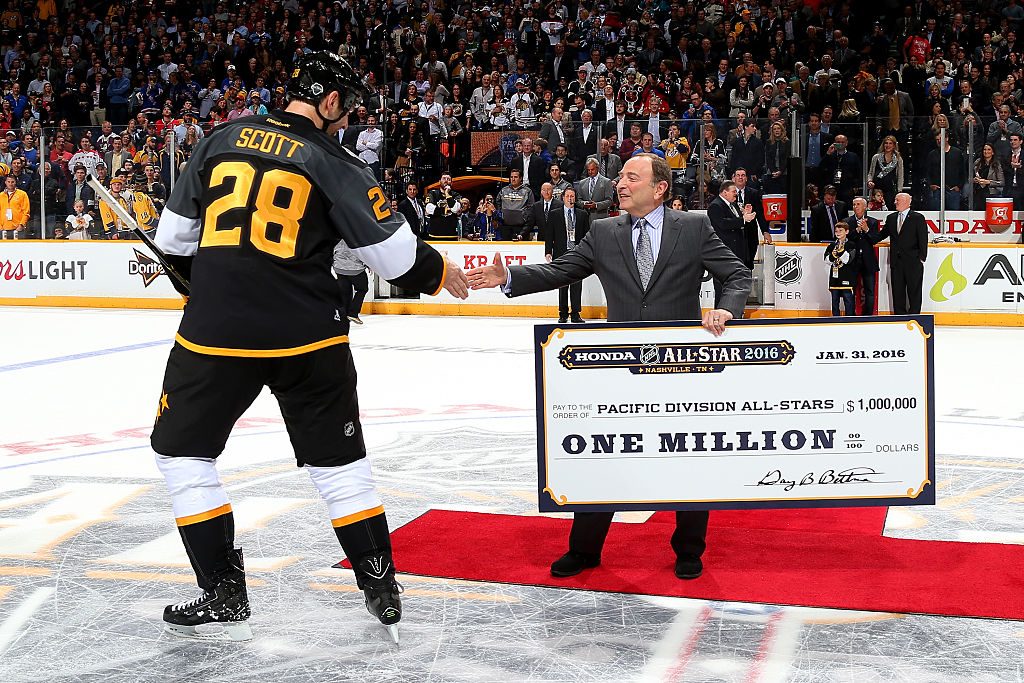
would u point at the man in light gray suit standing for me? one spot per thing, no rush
(594, 192)
(650, 261)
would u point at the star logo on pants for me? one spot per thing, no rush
(162, 406)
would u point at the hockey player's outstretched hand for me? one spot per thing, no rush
(493, 275)
(455, 280)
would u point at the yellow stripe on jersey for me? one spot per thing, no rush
(357, 517)
(260, 353)
(444, 274)
(203, 516)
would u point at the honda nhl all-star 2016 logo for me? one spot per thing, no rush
(650, 359)
(788, 267)
(145, 267)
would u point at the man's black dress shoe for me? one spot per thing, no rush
(572, 563)
(563, 320)
(578, 319)
(689, 567)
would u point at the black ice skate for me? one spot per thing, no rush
(220, 613)
(375, 574)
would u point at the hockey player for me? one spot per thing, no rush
(142, 208)
(113, 227)
(252, 223)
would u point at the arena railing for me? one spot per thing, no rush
(710, 156)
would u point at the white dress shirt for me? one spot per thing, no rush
(655, 222)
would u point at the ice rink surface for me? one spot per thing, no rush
(89, 554)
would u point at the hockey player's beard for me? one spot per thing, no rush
(327, 123)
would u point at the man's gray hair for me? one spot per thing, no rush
(660, 172)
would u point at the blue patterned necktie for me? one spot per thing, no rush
(644, 254)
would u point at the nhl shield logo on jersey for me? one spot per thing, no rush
(350, 429)
(788, 267)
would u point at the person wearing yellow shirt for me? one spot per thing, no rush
(47, 9)
(113, 227)
(14, 208)
(677, 150)
(143, 209)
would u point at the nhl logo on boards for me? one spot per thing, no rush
(350, 429)
(145, 267)
(788, 267)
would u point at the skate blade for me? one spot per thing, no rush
(393, 632)
(237, 631)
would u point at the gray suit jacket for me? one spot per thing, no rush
(689, 246)
(548, 132)
(613, 165)
(604, 191)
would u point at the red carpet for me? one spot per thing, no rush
(817, 558)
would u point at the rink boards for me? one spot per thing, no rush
(964, 283)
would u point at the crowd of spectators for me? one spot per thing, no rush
(711, 85)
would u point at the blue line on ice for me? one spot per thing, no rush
(84, 354)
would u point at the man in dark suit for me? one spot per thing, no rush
(561, 64)
(553, 131)
(356, 125)
(865, 234)
(748, 152)
(532, 166)
(650, 261)
(586, 138)
(539, 217)
(382, 105)
(908, 250)
(746, 197)
(412, 208)
(816, 144)
(729, 220)
(826, 214)
(843, 168)
(566, 228)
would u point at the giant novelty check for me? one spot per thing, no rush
(801, 413)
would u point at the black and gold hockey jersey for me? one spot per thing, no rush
(139, 205)
(261, 205)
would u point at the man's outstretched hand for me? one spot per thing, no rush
(493, 275)
(455, 280)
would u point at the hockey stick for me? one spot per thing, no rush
(104, 194)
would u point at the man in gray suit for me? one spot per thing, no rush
(594, 192)
(610, 164)
(650, 261)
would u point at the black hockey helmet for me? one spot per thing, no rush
(317, 74)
